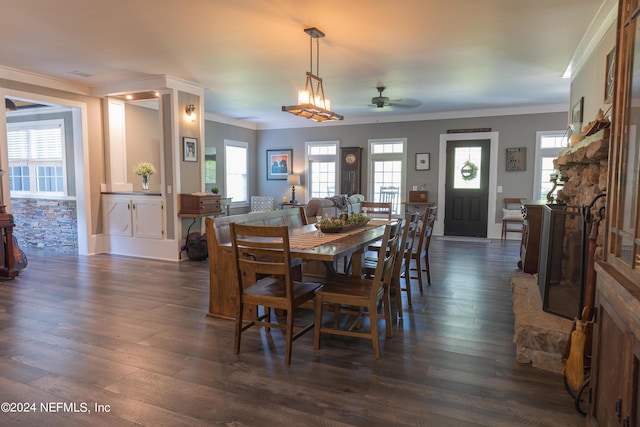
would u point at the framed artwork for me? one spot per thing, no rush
(576, 115)
(516, 159)
(609, 76)
(423, 161)
(279, 163)
(189, 149)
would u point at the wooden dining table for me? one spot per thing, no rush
(305, 245)
(331, 247)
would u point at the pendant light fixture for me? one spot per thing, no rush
(312, 103)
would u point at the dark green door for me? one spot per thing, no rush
(467, 188)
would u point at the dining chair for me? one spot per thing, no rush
(374, 210)
(402, 262)
(379, 210)
(358, 297)
(390, 195)
(263, 263)
(512, 219)
(420, 253)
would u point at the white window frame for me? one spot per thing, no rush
(324, 158)
(227, 181)
(539, 154)
(33, 163)
(402, 157)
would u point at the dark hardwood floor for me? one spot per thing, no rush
(131, 335)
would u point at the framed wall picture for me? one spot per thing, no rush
(516, 159)
(189, 149)
(279, 163)
(610, 72)
(576, 115)
(423, 161)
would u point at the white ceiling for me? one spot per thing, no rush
(251, 55)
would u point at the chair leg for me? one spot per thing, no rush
(419, 270)
(375, 339)
(289, 336)
(267, 312)
(427, 268)
(397, 287)
(317, 320)
(407, 283)
(386, 309)
(236, 344)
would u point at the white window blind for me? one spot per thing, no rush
(36, 151)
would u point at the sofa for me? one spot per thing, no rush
(332, 206)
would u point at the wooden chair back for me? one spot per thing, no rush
(382, 210)
(403, 259)
(262, 251)
(424, 239)
(390, 195)
(420, 253)
(409, 231)
(386, 259)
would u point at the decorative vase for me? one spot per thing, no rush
(145, 182)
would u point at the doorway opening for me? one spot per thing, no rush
(44, 177)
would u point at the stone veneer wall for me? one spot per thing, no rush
(584, 169)
(45, 224)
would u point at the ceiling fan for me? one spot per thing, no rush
(383, 101)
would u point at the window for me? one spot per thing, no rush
(37, 158)
(236, 171)
(388, 163)
(210, 173)
(548, 147)
(322, 160)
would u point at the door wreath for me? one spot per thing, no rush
(469, 170)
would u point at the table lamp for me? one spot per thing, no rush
(294, 180)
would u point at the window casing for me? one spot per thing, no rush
(322, 168)
(36, 152)
(387, 160)
(236, 167)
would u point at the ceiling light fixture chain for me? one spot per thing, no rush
(312, 103)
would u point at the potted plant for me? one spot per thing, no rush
(215, 190)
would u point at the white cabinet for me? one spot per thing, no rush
(133, 216)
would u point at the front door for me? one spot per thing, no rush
(467, 188)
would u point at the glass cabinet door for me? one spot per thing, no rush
(624, 239)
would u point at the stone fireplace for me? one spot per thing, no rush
(541, 336)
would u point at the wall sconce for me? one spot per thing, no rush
(191, 112)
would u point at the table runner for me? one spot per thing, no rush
(309, 241)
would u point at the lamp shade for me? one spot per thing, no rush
(293, 179)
